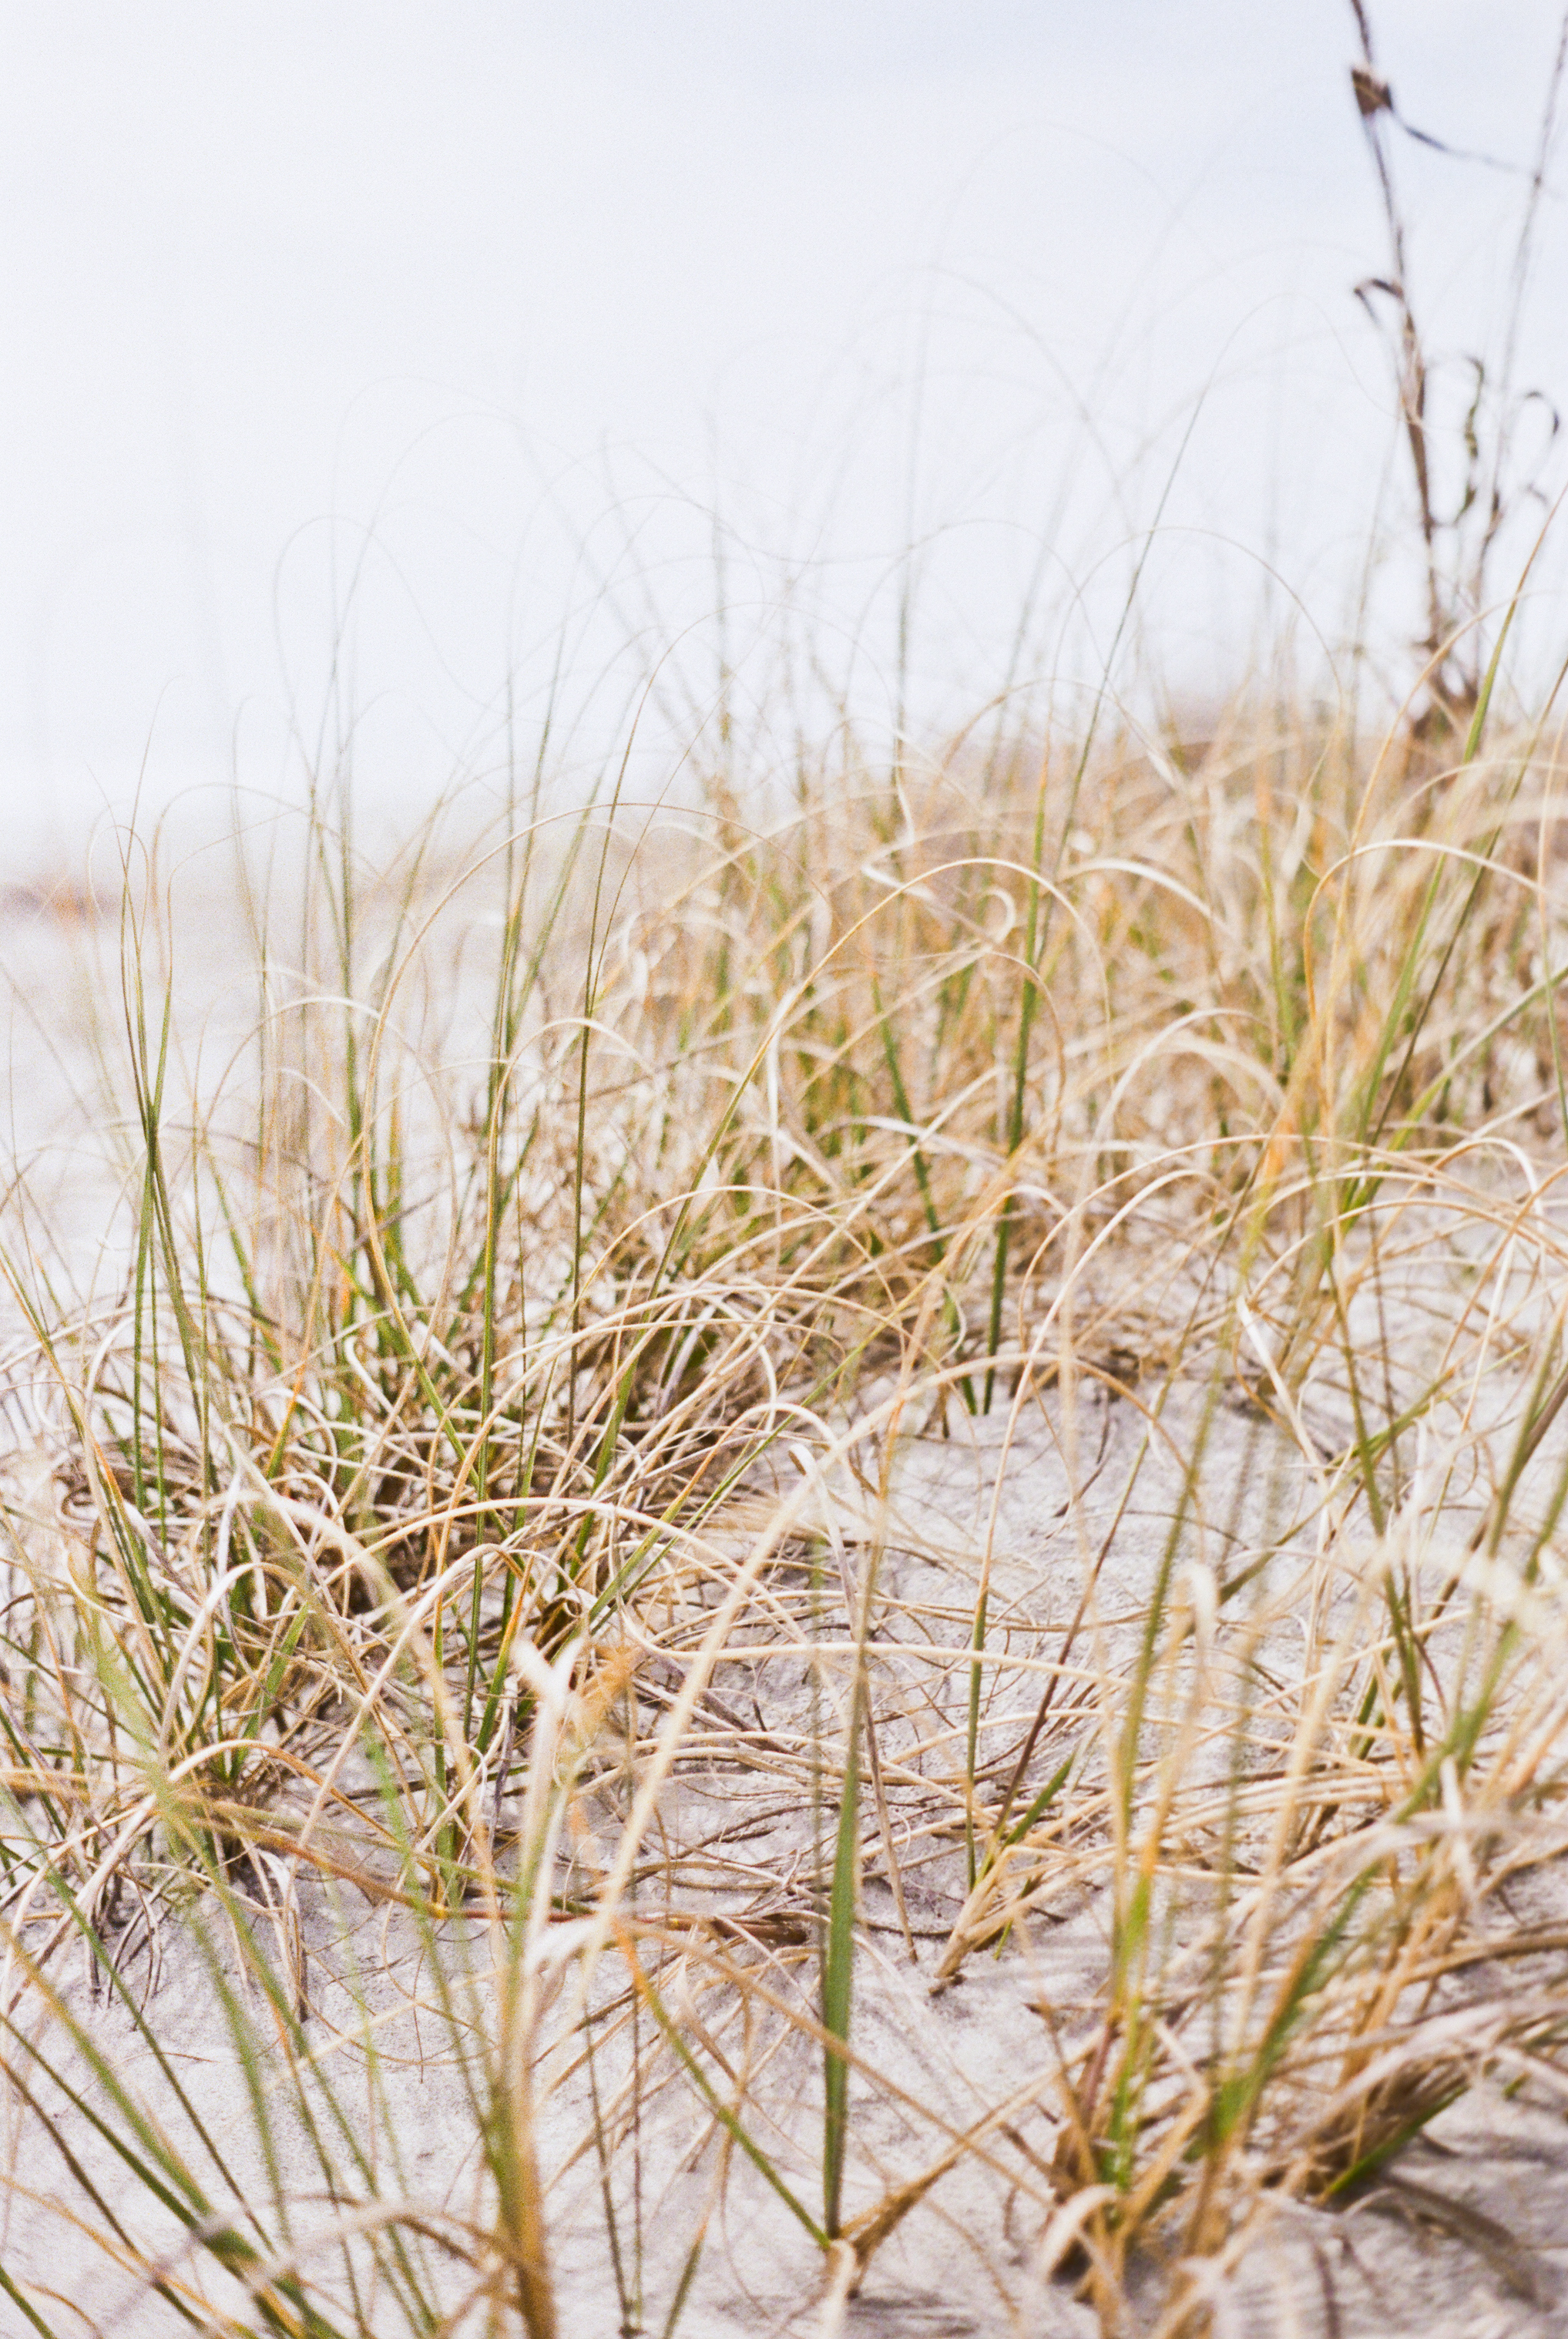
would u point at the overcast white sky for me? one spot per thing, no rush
(442, 314)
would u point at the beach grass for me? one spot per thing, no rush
(717, 1417)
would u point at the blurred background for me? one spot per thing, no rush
(381, 377)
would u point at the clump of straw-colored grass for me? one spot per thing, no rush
(485, 1501)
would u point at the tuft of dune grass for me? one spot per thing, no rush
(595, 1250)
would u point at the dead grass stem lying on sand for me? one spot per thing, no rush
(717, 1437)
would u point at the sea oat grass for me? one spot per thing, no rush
(708, 1438)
